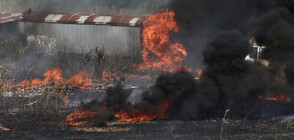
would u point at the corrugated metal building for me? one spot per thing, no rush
(76, 33)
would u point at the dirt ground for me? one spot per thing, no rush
(26, 128)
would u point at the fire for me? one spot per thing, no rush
(199, 72)
(2, 128)
(159, 52)
(84, 116)
(155, 112)
(54, 75)
(81, 80)
(276, 98)
(109, 76)
(30, 83)
(80, 114)
(271, 97)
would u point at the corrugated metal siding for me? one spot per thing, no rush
(119, 37)
(76, 18)
(81, 39)
(79, 18)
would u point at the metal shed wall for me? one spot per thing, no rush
(81, 39)
(78, 33)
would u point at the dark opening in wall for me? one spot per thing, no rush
(12, 27)
(8, 30)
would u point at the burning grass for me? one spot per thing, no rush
(152, 113)
(80, 80)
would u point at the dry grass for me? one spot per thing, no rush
(12, 49)
(104, 129)
(223, 123)
(47, 106)
(44, 103)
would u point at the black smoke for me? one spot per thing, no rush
(235, 79)
(217, 34)
(180, 88)
(114, 101)
(228, 80)
(199, 20)
(274, 29)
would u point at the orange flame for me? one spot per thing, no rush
(85, 117)
(199, 72)
(82, 117)
(155, 112)
(159, 52)
(276, 98)
(109, 76)
(54, 75)
(270, 96)
(30, 83)
(81, 80)
(80, 114)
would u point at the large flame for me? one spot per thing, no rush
(159, 52)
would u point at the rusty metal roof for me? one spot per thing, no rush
(9, 17)
(79, 18)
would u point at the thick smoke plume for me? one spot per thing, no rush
(178, 88)
(275, 30)
(235, 79)
(218, 34)
(228, 81)
(199, 20)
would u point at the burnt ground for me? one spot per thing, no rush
(32, 118)
(26, 127)
(39, 123)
